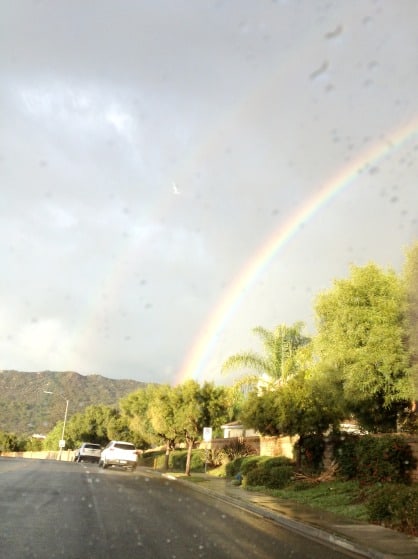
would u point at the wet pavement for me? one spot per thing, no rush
(367, 540)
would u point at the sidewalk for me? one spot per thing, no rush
(362, 538)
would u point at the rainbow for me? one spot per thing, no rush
(195, 361)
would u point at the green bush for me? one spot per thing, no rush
(371, 459)
(242, 465)
(274, 473)
(249, 463)
(311, 450)
(152, 458)
(345, 453)
(246, 464)
(233, 468)
(257, 477)
(178, 460)
(277, 461)
(395, 506)
(384, 459)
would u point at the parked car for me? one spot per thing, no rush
(88, 452)
(119, 453)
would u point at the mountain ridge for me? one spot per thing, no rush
(32, 402)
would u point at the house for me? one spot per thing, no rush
(236, 429)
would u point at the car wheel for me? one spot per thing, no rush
(104, 465)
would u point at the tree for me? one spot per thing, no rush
(91, 425)
(307, 404)
(260, 412)
(410, 274)
(360, 341)
(162, 418)
(96, 424)
(10, 442)
(198, 407)
(134, 407)
(280, 348)
(51, 441)
(151, 415)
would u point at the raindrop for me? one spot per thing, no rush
(319, 71)
(332, 34)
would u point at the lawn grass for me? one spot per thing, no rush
(339, 497)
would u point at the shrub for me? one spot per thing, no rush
(216, 457)
(311, 451)
(344, 450)
(233, 468)
(178, 460)
(372, 459)
(274, 473)
(158, 460)
(395, 506)
(243, 465)
(277, 462)
(237, 448)
(249, 463)
(152, 458)
(257, 477)
(384, 459)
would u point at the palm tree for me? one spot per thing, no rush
(278, 362)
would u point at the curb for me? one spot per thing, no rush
(307, 530)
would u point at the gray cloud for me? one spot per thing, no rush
(249, 109)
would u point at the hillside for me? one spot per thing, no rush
(26, 409)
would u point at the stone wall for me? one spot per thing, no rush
(277, 446)
(66, 455)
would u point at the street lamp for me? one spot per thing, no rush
(62, 441)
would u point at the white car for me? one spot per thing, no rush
(119, 453)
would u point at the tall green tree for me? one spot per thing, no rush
(134, 407)
(162, 418)
(151, 412)
(260, 411)
(278, 362)
(410, 273)
(361, 343)
(309, 403)
(198, 407)
(91, 425)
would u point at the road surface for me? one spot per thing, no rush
(51, 509)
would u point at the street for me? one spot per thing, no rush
(66, 510)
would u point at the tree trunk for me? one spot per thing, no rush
(167, 455)
(189, 456)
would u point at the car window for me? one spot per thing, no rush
(124, 446)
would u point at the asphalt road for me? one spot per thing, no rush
(52, 509)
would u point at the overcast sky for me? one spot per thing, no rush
(150, 152)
